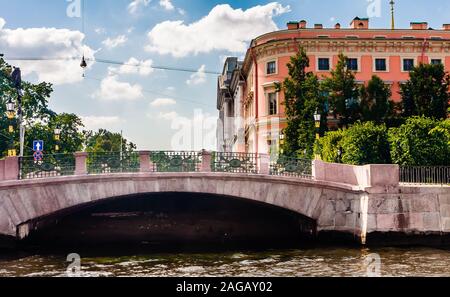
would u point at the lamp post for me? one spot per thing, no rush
(282, 137)
(57, 136)
(15, 77)
(317, 120)
(11, 113)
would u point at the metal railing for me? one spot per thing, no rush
(234, 162)
(425, 175)
(171, 161)
(50, 166)
(286, 166)
(113, 162)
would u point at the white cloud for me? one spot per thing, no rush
(224, 28)
(100, 31)
(112, 90)
(97, 122)
(134, 66)
(136, 5)
(181, 11)
(198, 78)
(166, 4)
(111, 43)
(168, 116)
(61, 47)
(163, 102)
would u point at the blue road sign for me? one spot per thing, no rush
(38, 156)
(38, 145)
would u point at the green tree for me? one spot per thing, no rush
(71, 138)
(106, 141)
(362, 143)
(328, 146)
(34, 105)
(421, 141)
(375, 103)
(303, 98)
(343, 93)
(426, 93)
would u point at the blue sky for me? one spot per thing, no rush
(194, 34)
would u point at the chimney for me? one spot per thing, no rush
(359, 23)
(292, 25)
(337, 26)
(318, 26)
(302, 24)
(446, 27)
(419, 25)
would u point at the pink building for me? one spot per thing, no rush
(387, 53)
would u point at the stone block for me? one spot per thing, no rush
(445, 210)
(431, 222)
(386, 222)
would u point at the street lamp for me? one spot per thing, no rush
(10, 113)
(57, 132)
(10, 109)
(282, 137)
(317, 120)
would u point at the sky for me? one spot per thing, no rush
(162, 109)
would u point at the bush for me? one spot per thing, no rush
(421, 141)
(362, 143)
(365, 143)
(327, 147)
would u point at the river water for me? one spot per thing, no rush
(306, 262)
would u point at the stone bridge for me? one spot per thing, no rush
(361, 202)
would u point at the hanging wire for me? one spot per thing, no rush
(160, 94)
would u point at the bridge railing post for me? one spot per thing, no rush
(206, 161)
(81, 163)
(9, 168)
(264, 164)
(145, 162)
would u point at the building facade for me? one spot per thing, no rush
(389, 54)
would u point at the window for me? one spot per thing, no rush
(436, 61)
(408, 64)
(324, 64)
(352, 64)
(273, 106)
(271, 67)
(380, 65)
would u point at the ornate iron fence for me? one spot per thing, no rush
(50, 166)
(286, 166)
(113, 162)
(171, 161)
(425, 174)
(234, 162)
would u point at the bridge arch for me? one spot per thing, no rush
(22, 202)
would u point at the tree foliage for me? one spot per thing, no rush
(343, 93)
(426, 93)
(362, 143)
(375, 101)
(303, 97)
(106, 141)
(421, 142)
